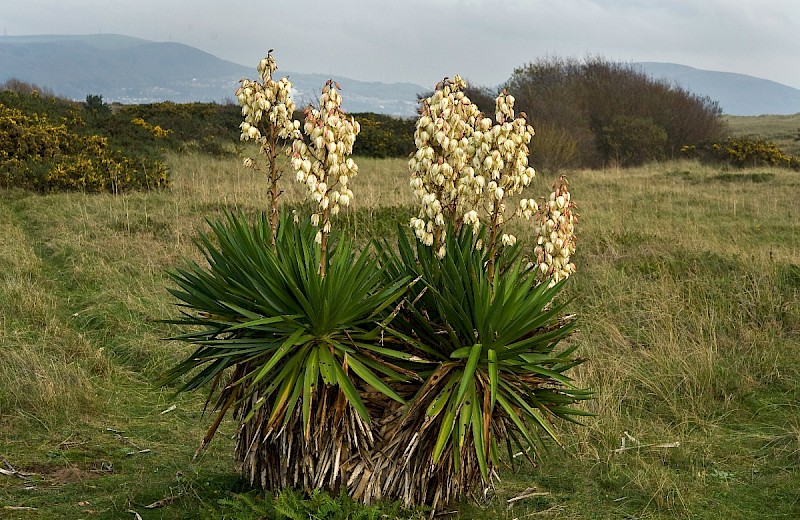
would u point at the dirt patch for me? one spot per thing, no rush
(59, 475)
(69, 475)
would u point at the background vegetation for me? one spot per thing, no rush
(594, 112)
(688, 292)
(586, 114)
(49, 144)
(784, 131)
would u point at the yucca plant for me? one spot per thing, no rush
(497, 376)
(296, 355)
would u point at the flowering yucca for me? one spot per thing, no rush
(465, 168)
(555, 234)
(322, 164)
(494, 376)
(501, 169)
(267, 107)
(334, 383)
(467, 165)
(294, 339)
(266, 104)
(444, 156)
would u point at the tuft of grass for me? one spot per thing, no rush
(291, 505)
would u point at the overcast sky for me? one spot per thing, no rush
(421, 41)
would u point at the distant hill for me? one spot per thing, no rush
(737, 94)
(132, 70)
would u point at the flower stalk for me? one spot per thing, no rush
(554, 231)
(267, 108)
(467, 165)
(320, 159)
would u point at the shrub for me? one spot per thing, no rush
(207, 127)
(384, 136)
(602, 105)
(632, 141)
(742, 152)
(300, 346)
(95, 105)
(494, 375)
(28, 89)
(41, 155)
(554, 148)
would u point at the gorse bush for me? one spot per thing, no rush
(384, 136)
(210, 128)
(398, 371)
(39, 154)
(207, 127)
(742, 152)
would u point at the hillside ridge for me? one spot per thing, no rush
(127, 69)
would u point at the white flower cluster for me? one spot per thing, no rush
(466, 165)
(444, 155)
(322, 164)
(500, 164)
(267, 105)
(555, 234)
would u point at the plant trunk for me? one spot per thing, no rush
(284, 458)
(493, 243)
(326, 220)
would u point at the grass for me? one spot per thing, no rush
(689, 295)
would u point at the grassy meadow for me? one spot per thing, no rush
(688, 288)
